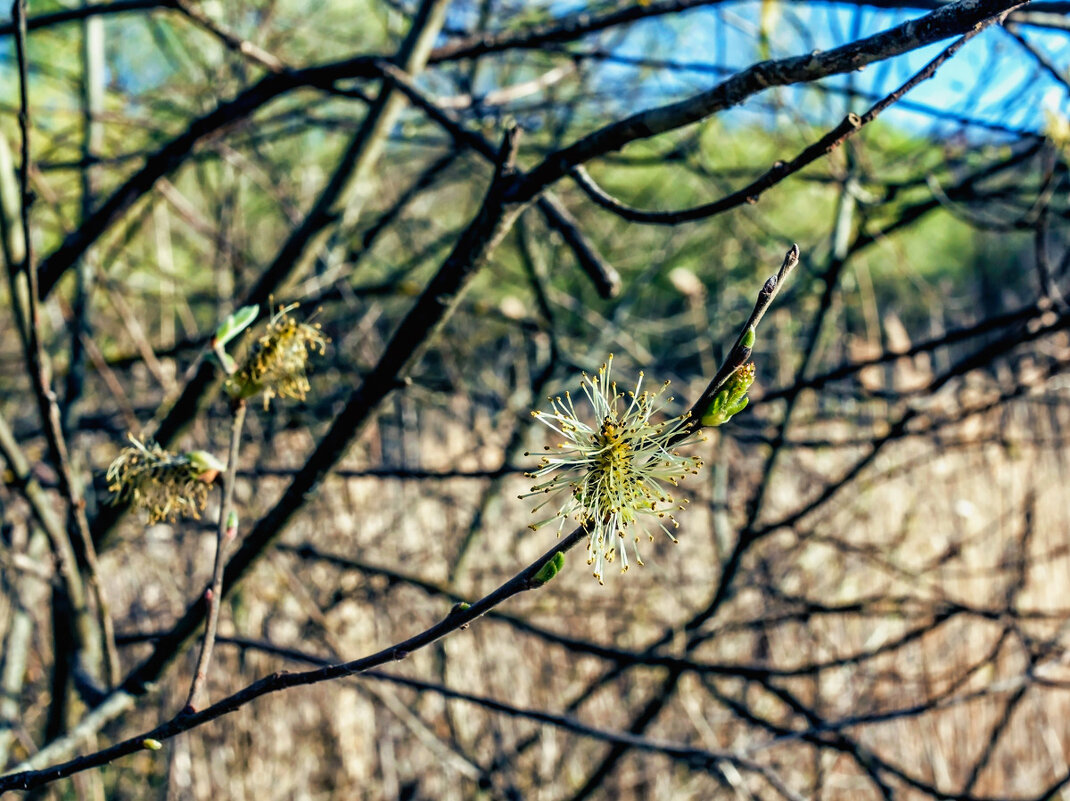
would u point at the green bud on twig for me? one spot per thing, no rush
(152, 745)
(732, 399)
(549, 570)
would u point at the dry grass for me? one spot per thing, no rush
(936, 578)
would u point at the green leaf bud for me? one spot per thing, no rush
(732, 398)
(549, 570)
(234, 324)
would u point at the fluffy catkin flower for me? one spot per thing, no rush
(615, 471)
(166, 485)
(277, 361)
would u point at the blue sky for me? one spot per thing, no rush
(1014, 92)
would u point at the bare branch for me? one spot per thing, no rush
(948, 20)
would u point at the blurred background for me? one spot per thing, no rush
(868, 595)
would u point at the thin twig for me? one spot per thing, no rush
(231, 40)
(693, 757)
(947, 20)
(1040, 58)
(458, 618)
(748, 194)
(37, 360)
(605, 278)
(850, 125)
(42, 21)
(508, 94)
(603, 275)
(412, 337)
(739, 352)
(340, 198)
(18, 13)
(91, 97)
(225, 532)
(639, 126)
(30, 592)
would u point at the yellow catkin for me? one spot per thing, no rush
(276, 364)
(167, 486)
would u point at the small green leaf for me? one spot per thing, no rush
(204, 462)
(234, 324)
(550, 569)
(748, 338)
